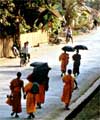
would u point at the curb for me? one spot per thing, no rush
(80, 102)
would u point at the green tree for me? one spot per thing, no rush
(71, 9)
(19, 16)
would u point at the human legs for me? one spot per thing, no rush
(28, 57)
(31, 115)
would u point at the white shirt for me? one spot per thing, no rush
(26, 50)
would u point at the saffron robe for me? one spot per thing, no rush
(67, 89)
(15, 86)
(64, 58)
(40, 98)
(30, 98)
(41, 95)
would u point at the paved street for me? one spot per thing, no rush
(53, 107)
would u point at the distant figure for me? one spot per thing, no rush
(26, 50)
(95, 24)
(76, 58)
(67, 89)
(64, 58)
(69, 34)
(16, 85)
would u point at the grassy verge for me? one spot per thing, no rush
(91, 111)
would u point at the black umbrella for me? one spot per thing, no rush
(40, 71)
(68, 48)
(37, 64)
(80, 47)
(40, 66)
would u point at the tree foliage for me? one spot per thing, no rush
(26, 13)
(30, 15)
(71, 9)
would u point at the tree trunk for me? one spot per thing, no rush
(1, 48)
(6, 47)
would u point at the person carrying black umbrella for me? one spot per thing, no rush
(40, 75)
(64, 58)
(76, 58)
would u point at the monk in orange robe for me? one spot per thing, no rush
(67, 89)
(16, 85)
(41, 96)
(64, 58)
(31, 99)
(43, 87)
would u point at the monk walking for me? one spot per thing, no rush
(43, 87)
(31, 100)
(64, 58)
(67, 89)
(43, 82)
(16, 85)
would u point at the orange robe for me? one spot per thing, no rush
(41, 95)
(67, 89)
(30, 99)
(64, 58)
(15, 86)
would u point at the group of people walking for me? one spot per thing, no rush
(64, 58)
(33, 100)
(67, 78)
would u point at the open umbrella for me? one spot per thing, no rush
(80, 47)
(68, 48)
(37, 64)
(41, 70)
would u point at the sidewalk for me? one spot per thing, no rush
(53, 109)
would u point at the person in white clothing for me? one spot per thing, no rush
(69, 34)
(26, 50)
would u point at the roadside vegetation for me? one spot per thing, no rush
(91, 111)
(29, 15)
(24, 16)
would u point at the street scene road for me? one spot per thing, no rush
(53, 107)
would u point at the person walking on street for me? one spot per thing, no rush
(64, 58)
(76, 64)
(26, 50)
(69, 34)
(31, 99)
(15, 86)
(43, 87)
(43, 82)
(67, 89)
(76, 58)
